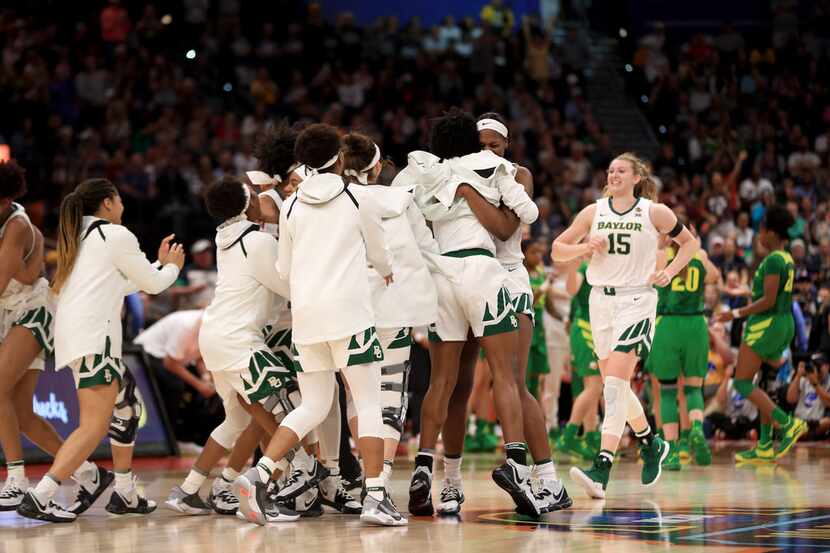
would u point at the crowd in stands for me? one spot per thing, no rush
(163, 100)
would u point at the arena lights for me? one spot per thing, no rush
(623, 33)
(629, 68)
(227, 87)
(191, 54)
(662, 129)
(166, 19)
(644, 99)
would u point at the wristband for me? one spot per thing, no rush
(736, 313)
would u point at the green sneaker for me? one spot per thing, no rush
(653, 456)
(700, 448)
(594, 440)
(554, 433)
(489, 441)
(683, 449)
(573, 446)
(790, 434)
(594, 479)
(672, 461)
(761, 453)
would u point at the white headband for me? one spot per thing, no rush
(362, 176)
(492, 125)
(326, 165)
(301, 171)
(247, 200)
(261, 178)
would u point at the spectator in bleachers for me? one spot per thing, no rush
(809, 391)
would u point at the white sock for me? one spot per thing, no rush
(229, 474)
(46, 489)
(195, 479)
(375, 483)
(452, 468)
(85, 471)
(386, 474)
(546, 471)
(16, 470)
(303, 460)
(124, 482)
(332, 465)
(266, 468)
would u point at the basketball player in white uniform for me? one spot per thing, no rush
(623, 229)
(493, 135)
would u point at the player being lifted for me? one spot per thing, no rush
(681, 347)
(768, 332)
(624, 227)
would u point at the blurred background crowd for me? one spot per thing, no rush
(163, 98)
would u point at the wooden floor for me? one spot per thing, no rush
(784, 507)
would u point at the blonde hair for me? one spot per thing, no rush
(84, 200)
(647, 187)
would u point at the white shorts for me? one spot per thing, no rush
(477, 300)
(396, 344)
(264, 377)
(361, 349)
(30, 310)
(623, 321)
(518, 284)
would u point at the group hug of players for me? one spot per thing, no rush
(321, 270)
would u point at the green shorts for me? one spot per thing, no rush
(537, 362)
(680, 347)
(769, 334)
(583, 359)
(577, 385)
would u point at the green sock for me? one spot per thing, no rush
(481, 427)
(697, 426)
(779, 416)
(766, 434)
(684, 434)
(571, 431)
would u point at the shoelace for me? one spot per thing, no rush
(342, 494)
(227, 496)
(450, 493)
(10, 491)
(294, 478)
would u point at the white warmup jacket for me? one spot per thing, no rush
(326, 237)
(411, 300)
(109, 266)
(454, 224)
(245, 296)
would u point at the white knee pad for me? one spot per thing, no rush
(329, 434)
(364, 383)
(317, 391)
(615, 391)
(634, 408)
(393, 398)
(235, 423)
(351, 412)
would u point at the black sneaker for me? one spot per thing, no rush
(12, 493)
(515, 480)
(420, 493)
(452, 496)
(300, 481)
(307, 504)
(334, 495)
(353, 483)
(31, 507)
(221, 497)
(90, 490)
(132, 504)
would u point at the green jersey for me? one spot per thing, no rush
(579, 303)
(778, 263)
(684, 295)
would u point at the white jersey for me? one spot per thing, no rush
(16, 294)
(509, 252)
(632, 245)
(282, 313)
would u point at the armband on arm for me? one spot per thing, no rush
(678, 228)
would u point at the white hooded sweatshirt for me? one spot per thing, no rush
(109, 266)
(411, 300)
(454, 224)
(326, 237)
(248, 290)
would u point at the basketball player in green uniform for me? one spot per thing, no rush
(768, 332)
(681, 347)
(587, 383)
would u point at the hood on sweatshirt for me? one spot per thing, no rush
(320, 188)
(228, 234)
(388, 201)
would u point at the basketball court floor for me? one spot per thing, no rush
(777, 508)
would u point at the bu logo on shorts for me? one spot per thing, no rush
(378, 352)
(107, 375)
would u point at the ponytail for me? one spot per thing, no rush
(647, 187)
(84, 200)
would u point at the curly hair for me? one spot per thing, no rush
(12, 180)
(275, 149)
(316, 145)
(454, 135)
(225, 198)
(779, 220)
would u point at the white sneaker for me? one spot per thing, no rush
(221, 497)
(380, 512)
(31, 507)
(12, 493)
(333, 494)
(187, 504)
(452, 496)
